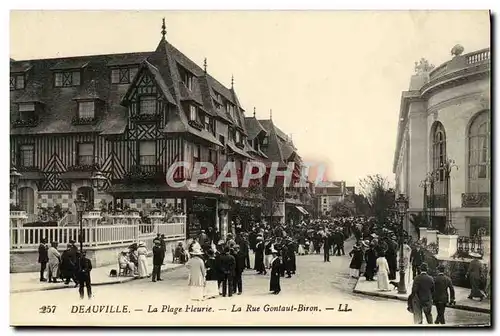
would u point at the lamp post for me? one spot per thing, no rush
(402, 206)
(80, 204)
(14, 181)
(424, 184)
(447, 167)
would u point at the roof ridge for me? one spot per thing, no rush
(79, 56)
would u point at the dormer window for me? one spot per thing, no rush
(265, 141)
(207, 123)
(186, 77)
(26, 111)
(147, 105)
(256, 144)
(67, 78)
(17, 82)
(86, 110)
(238, 137)
(192, 113)
(123, 75)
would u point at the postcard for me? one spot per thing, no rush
(264, 168)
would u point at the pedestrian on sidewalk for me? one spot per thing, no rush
(43, 258)
(54, 261)
(197, 274)
(239, 268)
(422, 293)
(382, 273)
(163, 243)
(228, 270)
(441, 298)
(357, 258)
(474, 275)
(84, 267)
(417, 258)
(69, 259)
(212, 276)
(259, 256)
(142, 253)
(371, 262)
(158, 256)
(274, 282)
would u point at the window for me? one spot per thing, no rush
(479, 153)
(265, 141)
(256, 144)
(324, 200)
(86, 110)
(212, 156)
(222, 139)
(147, 155)
(207, 123)
(237, 137)
(27, 155)
(123, 75)
(439, 157)
(26, 111)
(192, 112)
(17, 82)
(186, 77)
(86, 154)
(147, 105)
(68, 78)
(196, 153)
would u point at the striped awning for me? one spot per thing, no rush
(302, 210)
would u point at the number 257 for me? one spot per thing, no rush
(47, 309)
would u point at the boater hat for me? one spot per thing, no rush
(475, 255)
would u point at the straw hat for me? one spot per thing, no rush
(197, 251)
(365, 243)
(474, 255)
(125, 251)
(142, 244)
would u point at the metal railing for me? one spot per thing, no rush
(466, 244)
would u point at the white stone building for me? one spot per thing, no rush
(444, 120)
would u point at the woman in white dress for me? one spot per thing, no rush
(382, 273)
(142, 254)
(406, 261)
(197, 274)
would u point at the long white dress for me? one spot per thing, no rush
(382, 274)
(406, 260)
(142, 253)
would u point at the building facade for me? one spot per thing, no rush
(330, 193)
(130, 117)
(443, 151)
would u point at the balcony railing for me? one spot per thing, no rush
(145, 117)
(437, 201)
(476, 200)
(461, 62)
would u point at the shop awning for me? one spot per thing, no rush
(302, 210)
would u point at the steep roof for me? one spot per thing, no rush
(163, 63)
(253, 127)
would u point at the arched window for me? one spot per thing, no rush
(479, 153)
(439, 157)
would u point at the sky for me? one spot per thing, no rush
(333, 79)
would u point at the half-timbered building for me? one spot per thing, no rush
(130, 116)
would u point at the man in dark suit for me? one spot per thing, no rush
(84, 266)
(442, 283)
(239, 268)
(422, 292)
(43, 258)
(228, 270)
(158, 256)
(417, 258)
(326, 247)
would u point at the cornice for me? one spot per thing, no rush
(454, 101)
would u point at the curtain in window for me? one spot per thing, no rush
(148, 105)
(479, 153)
(439, 157)
(147, 153)
(86, 110)
(86, 154)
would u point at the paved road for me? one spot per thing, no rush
(318, 289)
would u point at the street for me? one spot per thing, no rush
(317, 292)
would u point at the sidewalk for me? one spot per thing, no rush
(29, 282)
(461, 294)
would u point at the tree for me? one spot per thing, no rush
(340, 209)
(361, 205)
(380, 197)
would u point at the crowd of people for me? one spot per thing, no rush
(72, 265)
